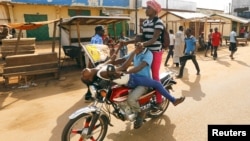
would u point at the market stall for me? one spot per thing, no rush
(23, 65)
(77, 31)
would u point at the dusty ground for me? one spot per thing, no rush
(220, 95)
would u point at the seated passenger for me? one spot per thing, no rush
(134, 77)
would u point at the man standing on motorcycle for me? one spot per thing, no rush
(142, 59)
(152, 28)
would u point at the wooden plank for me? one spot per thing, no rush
(19, 44)
(34, 67)
(30, 64)
(9, 53)
(10, 45)
(53, 70)
(19, 51)
(240, 40)
(30, 59)
(23, 47)
(22, 41)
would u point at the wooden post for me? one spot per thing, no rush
(70, 28)
(60, 46)
(18, 39)
(123, 28)
(78, 32)
(54, 37)
(195, 30)
(219, 26)
(114, 29)
(222, 32)
(79, 42)
(205, 29)
(173, 26)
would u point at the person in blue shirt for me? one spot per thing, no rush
(189, 53)
(124, 49)
(99, 32)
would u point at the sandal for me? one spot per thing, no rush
(178, 101)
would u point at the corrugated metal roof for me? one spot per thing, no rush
(93, 20)
(233, 18)
(30, 25)
(189, 15)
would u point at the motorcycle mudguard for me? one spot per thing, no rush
(88, 109)
(166, 78)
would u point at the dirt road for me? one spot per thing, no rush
(220, 95)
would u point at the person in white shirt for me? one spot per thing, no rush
(178, 46)
(171, 46)
(233, 43)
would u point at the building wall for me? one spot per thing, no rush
(53, 12)
(227, 27)
(4, 15)
(59, 9)
(96, 3)
(174, 22)
(240, 4)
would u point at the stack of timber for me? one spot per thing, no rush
(30, 64)
(24, 46)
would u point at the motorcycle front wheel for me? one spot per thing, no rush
(77, 129)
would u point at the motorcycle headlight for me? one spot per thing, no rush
(103, 93)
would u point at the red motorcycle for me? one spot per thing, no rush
(91, 122)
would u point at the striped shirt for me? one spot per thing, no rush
(148, 28)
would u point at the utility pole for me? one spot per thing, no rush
(229, 9)
(136, 8)
(166, 15)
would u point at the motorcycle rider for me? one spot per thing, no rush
(140, 73)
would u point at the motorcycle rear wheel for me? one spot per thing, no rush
(157, 113)
(76, 129)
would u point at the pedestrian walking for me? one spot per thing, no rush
(242, 32)
(202, 41)
(233, 43)
(189, 53)
(178, 46)
(216, 41)
(209, 43)
(171, 46)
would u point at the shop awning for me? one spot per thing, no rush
(93, 20)
(30, 26)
